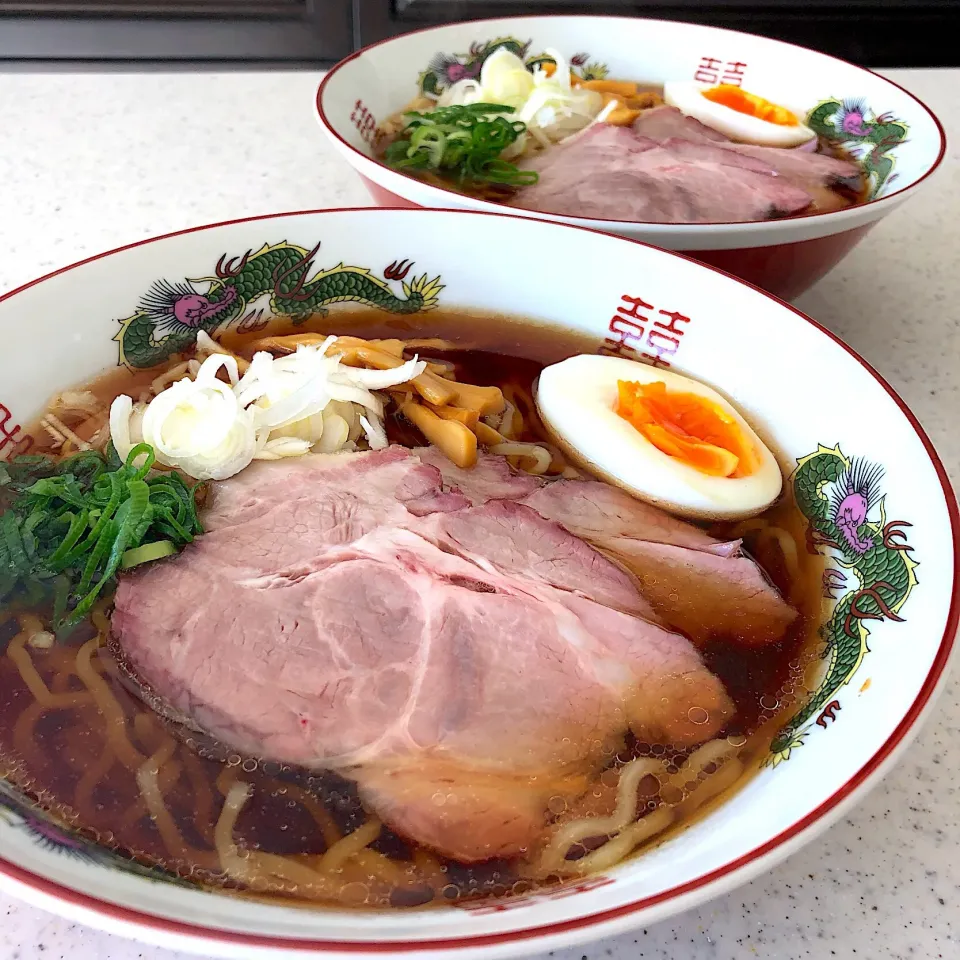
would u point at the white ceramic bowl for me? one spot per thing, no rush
(897, 137)
(806, 392)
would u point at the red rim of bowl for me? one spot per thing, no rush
(486, 206)
(136, 917)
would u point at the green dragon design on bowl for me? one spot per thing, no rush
(871, 577)
(170, 314)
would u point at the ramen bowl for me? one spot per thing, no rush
(831, 419)
(894, 137)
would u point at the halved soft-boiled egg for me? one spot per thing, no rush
(663, 437)
(739, 115)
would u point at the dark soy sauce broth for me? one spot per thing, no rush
(64, 757)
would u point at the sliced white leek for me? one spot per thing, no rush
(281, 407)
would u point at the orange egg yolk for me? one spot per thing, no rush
(727, 95)
(688, 427)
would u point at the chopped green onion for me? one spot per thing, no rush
(67, 527)
(148, 553)
(463, 143)
(13, 541)
(61, 597)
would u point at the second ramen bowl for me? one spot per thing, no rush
(896, 138)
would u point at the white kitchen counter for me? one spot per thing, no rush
(92, 161)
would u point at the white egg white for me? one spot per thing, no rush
(577, 401)
(688, 98)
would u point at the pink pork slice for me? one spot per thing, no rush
(313, 625)
(705, 587)
(814, 173)
(591, 507)
(613, 173)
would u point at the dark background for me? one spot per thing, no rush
(877, 33)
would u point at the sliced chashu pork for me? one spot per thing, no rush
(510, 537)
(612, 172)
(318, 630)
(694, 582)
(332, 497)
(702, 586)
(815, 173)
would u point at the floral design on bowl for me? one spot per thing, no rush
(445, 69)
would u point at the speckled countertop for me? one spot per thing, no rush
(92, 161)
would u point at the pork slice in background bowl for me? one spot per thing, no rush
(894, 137)
(851, 714)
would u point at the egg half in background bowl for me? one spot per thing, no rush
(673, 332)
(894, 137)
(737, 114)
